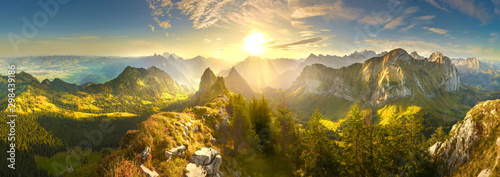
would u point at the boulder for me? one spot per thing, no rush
(148, 172)
(208, 159)
(145, 153)
(175, 152)
(195, 171)
(498, 142)
(485, 173)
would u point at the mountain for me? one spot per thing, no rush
(59, 85)
(218, 88)
(237, 84)
(334, 61)
(258, 72)
(151, 82)
(415, 55)
(207, 80)
(477, 74)
(473, 146)
(394, 78)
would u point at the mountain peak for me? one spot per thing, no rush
(207, 80)
(415, 55)
(438, 57)
(312, 55)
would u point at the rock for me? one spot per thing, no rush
(217, 126)
(498, 142)
(485, 173)
(145, 153)
(456, 151)
(186, 129)
(237, 174)
(195, 171)
(434, 149)
(208, 159)
(175, 152)
(196, 128)
(213, 140)
(225, 123)
(148, 172)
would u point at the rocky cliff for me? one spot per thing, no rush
(473, 146)
(381, 79)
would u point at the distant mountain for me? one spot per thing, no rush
(259, 72)
(59, 85)
(376, 82)
(474, 73)
(151, 82)
(334, 61)
(237, 84)
(415, 55)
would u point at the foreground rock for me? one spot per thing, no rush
(472, 145)
(205, 162)
(148, 172)
(175, 152)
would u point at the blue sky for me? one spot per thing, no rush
(292, 28)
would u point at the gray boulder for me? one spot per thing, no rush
(208, 159)
(148, 172)
(176, 152)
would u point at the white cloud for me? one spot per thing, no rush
(436, 30)
(308, 33)
(310, 11)
(160, 9)
(207, 40)
(308, 42)
(376, 18)
(472, 8)
(399, 21)
(435, 4)
(152, 28)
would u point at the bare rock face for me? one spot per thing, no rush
(205, 162)
(175, 152)
(485, 173)
(148, 172)
(455, 151)
(145, 153)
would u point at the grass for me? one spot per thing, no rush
(59, 162)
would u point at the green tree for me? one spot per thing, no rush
(357, 153)
(318, 157)
(241, 128)
(260, 114)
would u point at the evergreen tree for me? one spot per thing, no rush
(318, 157)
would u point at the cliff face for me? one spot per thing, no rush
(381, 79)
(474, 143)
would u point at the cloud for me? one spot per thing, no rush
(167, 34)
(117, 36)
(300, 24)
(376, 18)
(308, 33)
(401, 19)
(207, 40)
(335, 10)
(79, 37)
(308, 42)
(310, 11)
(152, 28)
(435, 4)
(325, 30)
(160, 9)
(493, 37)
(468, 7)
(436, 30)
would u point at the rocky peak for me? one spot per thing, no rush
(207, 80)
(438, 57)
(415, 55)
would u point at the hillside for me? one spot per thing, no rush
(478, 74)
(473, 146)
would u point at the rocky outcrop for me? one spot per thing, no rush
(416, 56)
(148, 172)
(176, 152)
(204, 162)
(145, 153)
(469, 142)
(485, 173)
(207, 80)
(456, 150)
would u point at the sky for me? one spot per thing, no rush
(222, 28)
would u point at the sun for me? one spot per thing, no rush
(254, 42)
